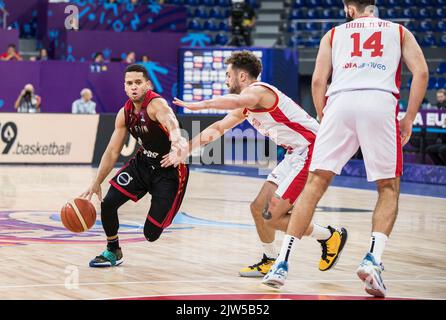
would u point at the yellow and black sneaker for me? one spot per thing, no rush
(332, 248)
(259, 269)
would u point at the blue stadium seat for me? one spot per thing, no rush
(441, 25)
(221, 39)
(201, 12)
(194, 25)
(426, 25)
(298, 3)
(408, 13)
(314, 3)
(224, 26)
(428, 41)
(194, 3)
(440, 3)
(409, 3)
(253, 3)
(311, 26)
(441, 69)
(224, 3)
(326, 14)
(312, 42)
(442, 42)
(325, 26)
(440, 13)
(432, 83)
(210, 25)
(313, 13)
(391, 13)
(339, 14)
(393, 3)
(297, 14)
(330, 3)
(441, 83)
(425, 13)
(295, 41)
(216, 13)
(409, 83)
(208, 3)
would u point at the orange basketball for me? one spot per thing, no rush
(78, 215)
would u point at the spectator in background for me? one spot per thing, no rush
(11, 54)
(441, 99)
(28, 101)
(145, 58)
(43, 55)
(84, 104)
(130, 58)
(99, 58)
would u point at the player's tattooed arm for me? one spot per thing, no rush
(248, 98)
(165, 116)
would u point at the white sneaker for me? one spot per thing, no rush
(276, 277)
(370, 272)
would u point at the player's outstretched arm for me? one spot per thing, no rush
(211, 133)
(248, 98)
(322, 72)
(165, 116)
(413, 57)
(110, 156)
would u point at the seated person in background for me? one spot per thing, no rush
(28, 101)
(43, 55)
(84, 104)
(145, 58)
(441, 99)
(437, 151)
(99, 58)
(11, 54)
(426, 105)
(130, 58)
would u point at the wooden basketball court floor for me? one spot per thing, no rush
(200, 254)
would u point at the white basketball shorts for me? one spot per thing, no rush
(291, 174)
(360, 118)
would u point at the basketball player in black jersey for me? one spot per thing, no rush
(150, 120)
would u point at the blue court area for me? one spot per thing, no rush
(420, 189)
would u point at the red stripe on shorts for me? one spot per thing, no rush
(399, 148)
(298, 184)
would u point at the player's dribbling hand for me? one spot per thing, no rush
(406, 130)
(189, 105)
(93, 189)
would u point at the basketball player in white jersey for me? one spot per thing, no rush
(363, 57)
(274, 115)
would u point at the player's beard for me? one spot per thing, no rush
(235, 88)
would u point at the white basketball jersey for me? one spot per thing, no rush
(285, 123)
(366, 54)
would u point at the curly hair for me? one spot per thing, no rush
(246, 61)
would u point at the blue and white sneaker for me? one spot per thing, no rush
(276, 276)
(370, 272)
(107, 259)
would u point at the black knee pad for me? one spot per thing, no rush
(152, 232)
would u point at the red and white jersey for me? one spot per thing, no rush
(366, 54)
(285, 123)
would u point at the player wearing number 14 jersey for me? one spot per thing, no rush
(359, 109)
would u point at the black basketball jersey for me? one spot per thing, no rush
(151, 135)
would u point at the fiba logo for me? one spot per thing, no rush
(8, 135)
(124, 179)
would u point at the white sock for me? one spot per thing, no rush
(377, 245)
(288, 244)
(320, 233)
(270, 250)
